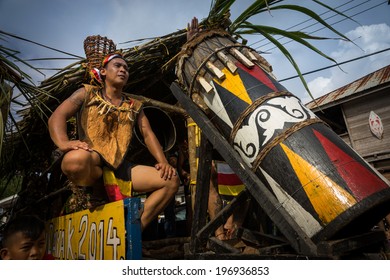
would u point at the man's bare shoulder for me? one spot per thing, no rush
(78, 96)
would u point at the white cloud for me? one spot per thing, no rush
(317, 87)
(369, 39)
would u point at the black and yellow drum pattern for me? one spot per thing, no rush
(321, 181)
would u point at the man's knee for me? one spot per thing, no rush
(173, 184)
(74, 163)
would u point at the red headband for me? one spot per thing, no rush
(109, 57)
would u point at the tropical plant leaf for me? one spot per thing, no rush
(220, 7)
(311, 14)
(296, 36)
(13, 68)
(285, 52)
(335, 11)
(256, 8)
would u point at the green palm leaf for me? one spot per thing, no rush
(296, 36)
(220, 7)
(256, 8)
(286, 53)
(310, 14)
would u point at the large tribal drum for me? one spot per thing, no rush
(328, 189)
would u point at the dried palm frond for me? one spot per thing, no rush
(10, 77)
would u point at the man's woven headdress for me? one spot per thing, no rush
(99, 51)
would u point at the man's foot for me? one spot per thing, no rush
(231, 233)
(220, 234)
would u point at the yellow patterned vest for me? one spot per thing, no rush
(107, 128)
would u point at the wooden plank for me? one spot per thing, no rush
(151, 244)
(342, 246)
(271, 206)
(260, 239)
(378, 101)
(273, 249)
(201, 193)
(219, 246)
(356, 117)
(241, 57)
(214, 69)
(227, 62)
(206, 86)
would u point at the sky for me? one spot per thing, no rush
(64, 24)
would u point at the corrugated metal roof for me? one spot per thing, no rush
(371, 80)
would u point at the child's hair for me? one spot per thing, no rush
(30, 225)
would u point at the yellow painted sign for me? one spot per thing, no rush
(91, 235)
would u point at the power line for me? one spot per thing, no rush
(343, 19)
(358, 13)
(338, 64)
(39, 44)
(333, 23)
(307, 20)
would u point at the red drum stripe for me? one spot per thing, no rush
(360, 180)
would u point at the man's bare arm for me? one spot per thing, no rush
(154, 147)
(57, 122)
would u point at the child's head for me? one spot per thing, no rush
(23, 239)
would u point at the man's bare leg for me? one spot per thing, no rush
(236, 220)
(147, 179)
(215, 203)
(83, 168)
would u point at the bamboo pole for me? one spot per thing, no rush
(164, 106)
(193, 143)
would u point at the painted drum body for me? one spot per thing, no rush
(328, 189)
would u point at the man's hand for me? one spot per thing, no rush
(74, 145)
(166, 170)
(192, 28)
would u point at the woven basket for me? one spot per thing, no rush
(96, 48)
